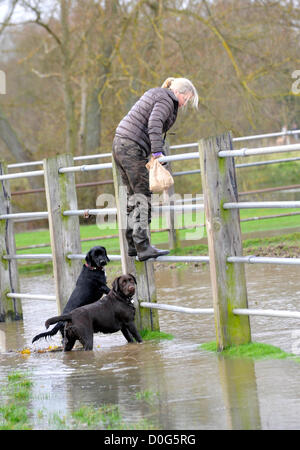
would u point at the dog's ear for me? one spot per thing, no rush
(115, 284)
(130, 274)
(105, 253)
(89, 258)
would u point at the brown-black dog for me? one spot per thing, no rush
(90, 286)
(114, 312)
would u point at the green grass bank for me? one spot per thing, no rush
(253, 350)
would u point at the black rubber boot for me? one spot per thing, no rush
(144, 249)
(130, 242)
(149, 252)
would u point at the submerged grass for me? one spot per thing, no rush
(14, 402)
(15, 411)
(148, 335)
(254, 350)
(147, 396)
(107, 417)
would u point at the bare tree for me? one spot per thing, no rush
(7, 133)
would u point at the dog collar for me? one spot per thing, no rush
(128, 300)
(93, 268)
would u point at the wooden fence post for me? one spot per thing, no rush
(146, 292)
(10, 308)
(121, 202)
(146, 319)
(224, 240)
(64, 230)
(174, 241)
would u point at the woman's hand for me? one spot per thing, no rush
(159, 155)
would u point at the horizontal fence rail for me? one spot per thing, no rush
(29, 256)
(265, 163)
(180, 309)
(172, 259)
(85, 168)
(91, 212)
(274, 216)
(188, 259)
(31, 296)
(40, 163)
(95, 212)
(172, 158)
(267, 135)
(11, 176)
(245, 138)
(160, 258)
(267, 312)
(31, 215)
(259, 151)
(263, 260)
(254, 205)
(165, 158)
(82, 256)
(191, 145)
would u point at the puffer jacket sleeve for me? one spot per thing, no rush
(161, 111)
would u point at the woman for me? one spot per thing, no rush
(138, 135)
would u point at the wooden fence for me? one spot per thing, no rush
(225, 257)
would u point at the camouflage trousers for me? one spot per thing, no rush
(131, 160)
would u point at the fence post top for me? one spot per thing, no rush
(59, 155)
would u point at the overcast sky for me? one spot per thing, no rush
(19, 14)
(4, 8)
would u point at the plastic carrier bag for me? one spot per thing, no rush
(160, 178)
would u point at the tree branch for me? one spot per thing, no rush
(9, 16)
(39, 21)
(45, 75)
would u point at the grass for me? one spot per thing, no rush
(253, 350)
(107, 417)
(89, 417)
(268, 224)
(147, 396)
(14, 410)
(288, 239)
(112, 244)
(90, 231)
(148, 335)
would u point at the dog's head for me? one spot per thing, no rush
(97, 257)
(124, 285)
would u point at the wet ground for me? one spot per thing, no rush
(188, 388)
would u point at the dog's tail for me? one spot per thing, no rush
(50, 333)
(55, 319)
(58, 327)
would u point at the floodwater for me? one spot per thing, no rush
(192, 389)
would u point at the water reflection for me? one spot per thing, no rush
(12, 336)
(239, 388)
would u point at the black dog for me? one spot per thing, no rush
(114, 312)
(90, 286)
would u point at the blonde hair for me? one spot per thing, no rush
(167, 83)
(184, 86)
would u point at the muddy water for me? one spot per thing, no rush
(191, 388)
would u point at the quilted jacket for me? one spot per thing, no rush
(149, 118)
